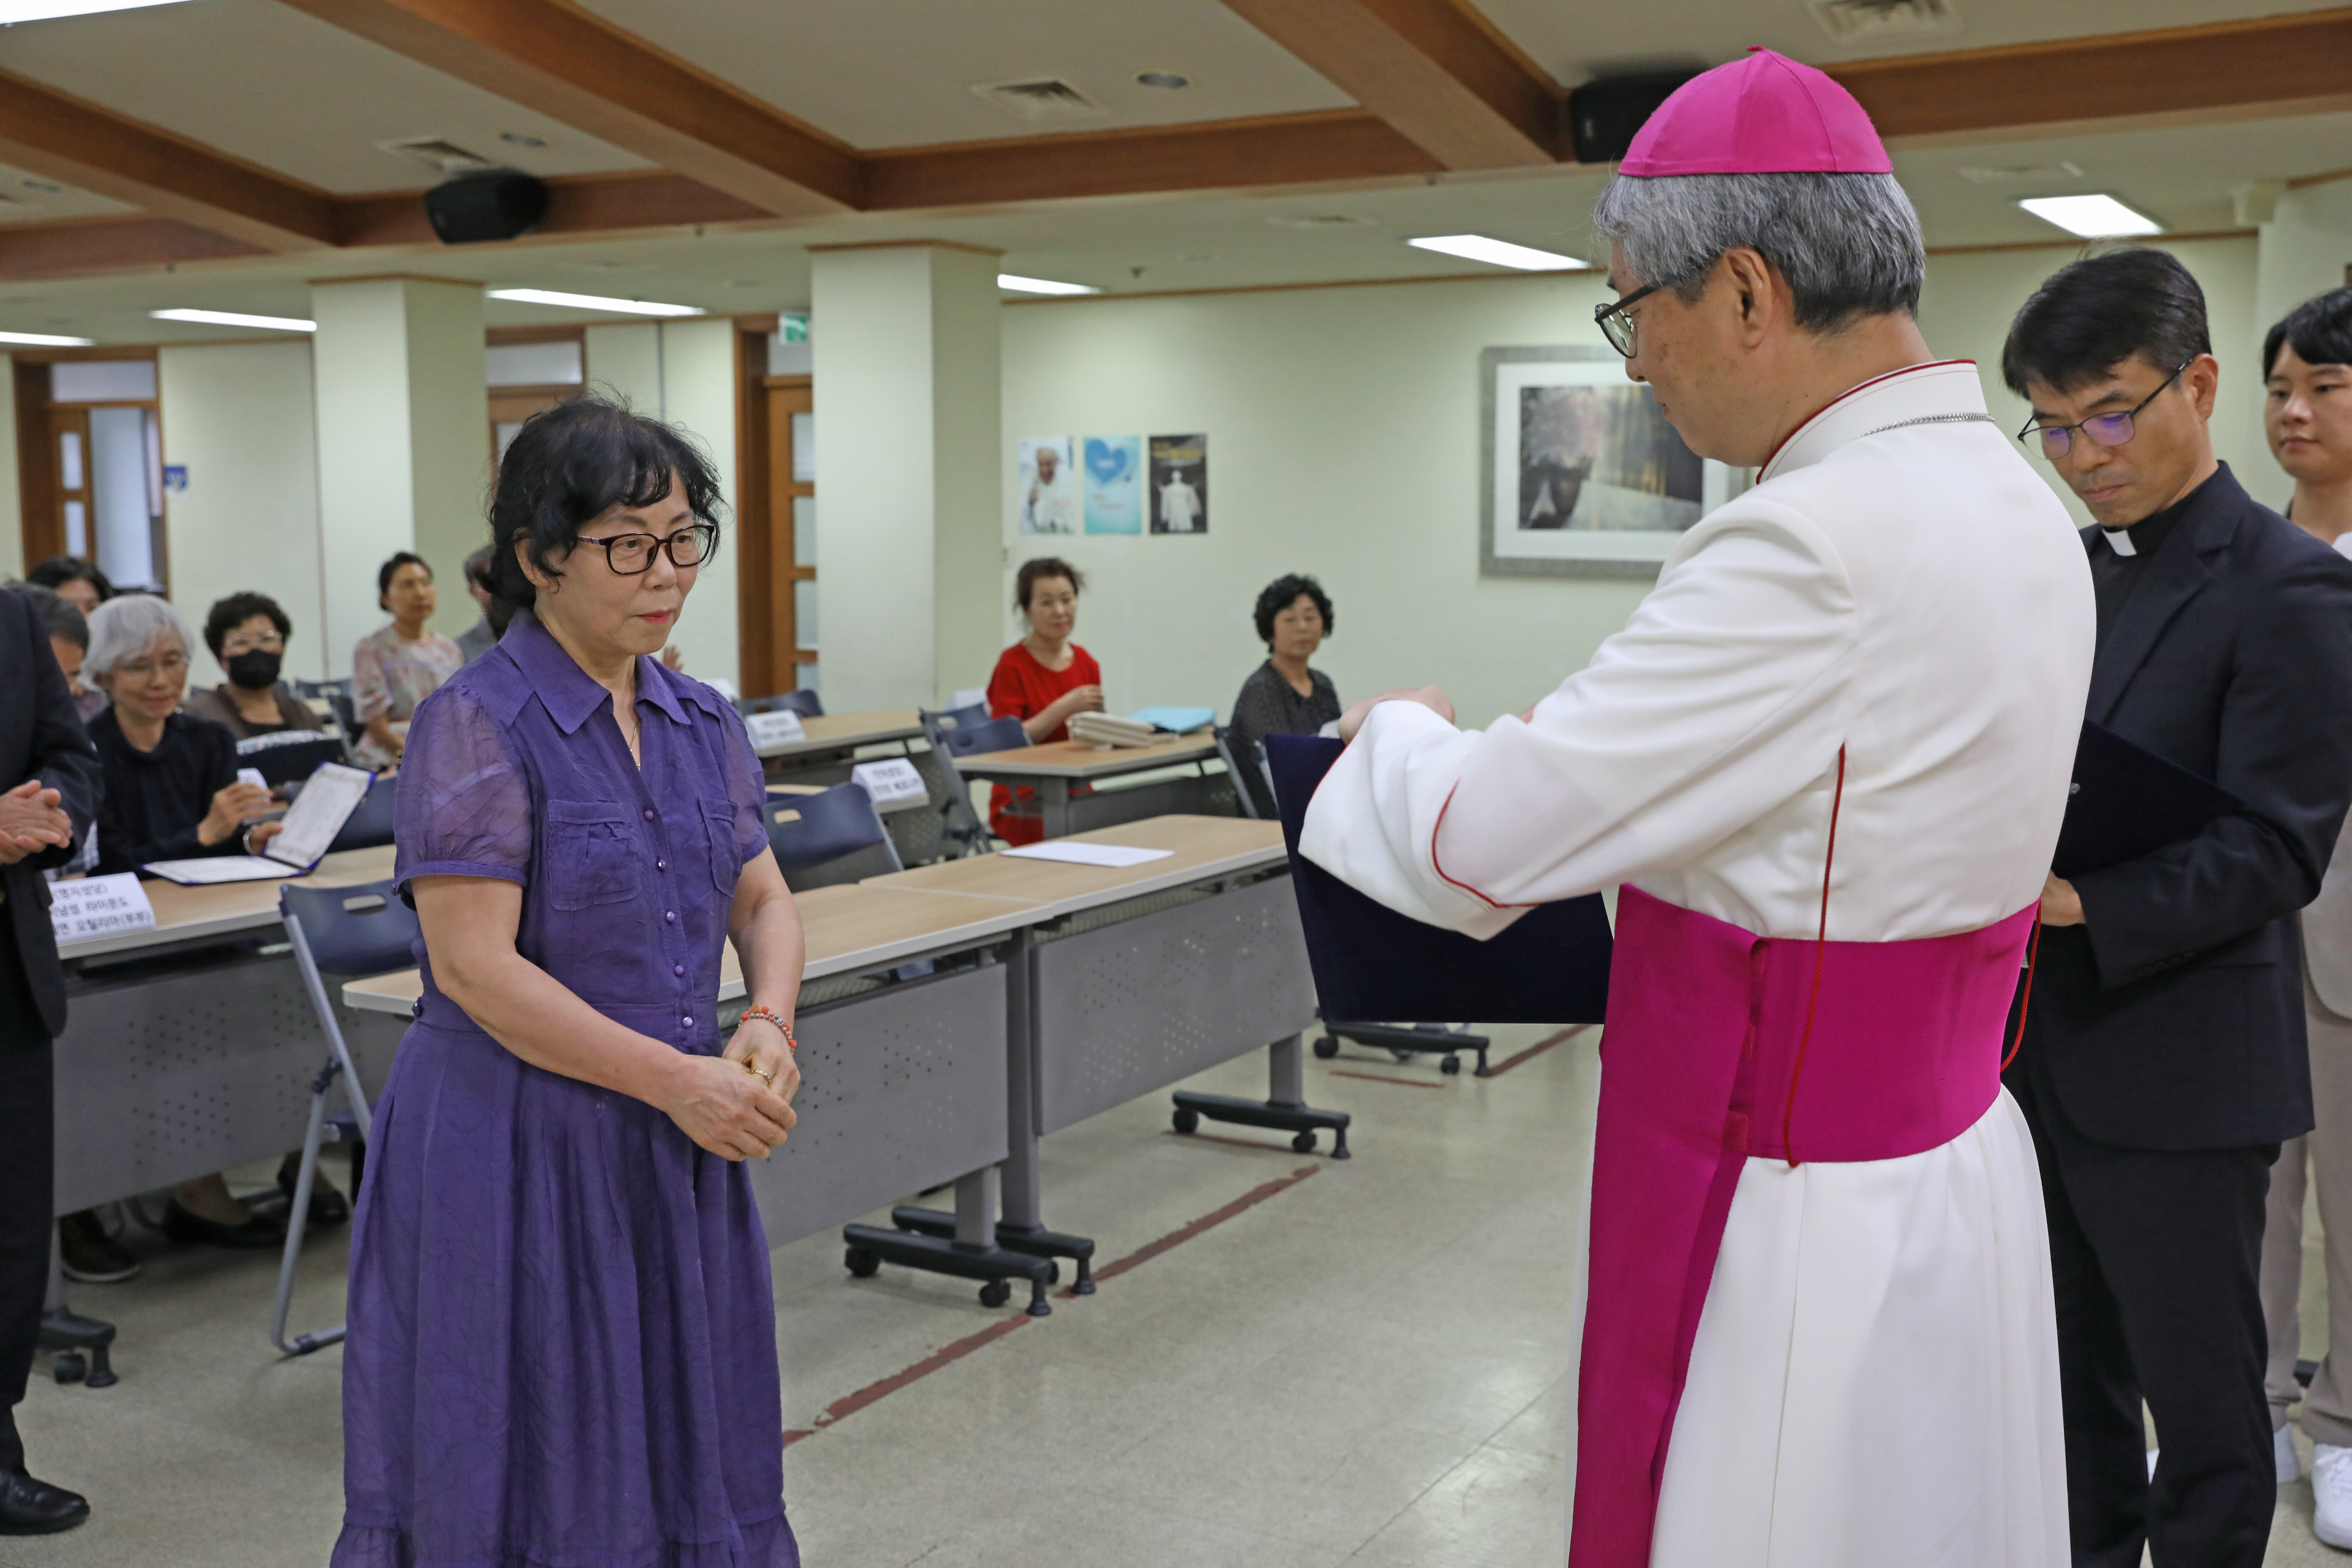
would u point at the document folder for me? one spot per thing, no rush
(2126, 801)
(1550, 967)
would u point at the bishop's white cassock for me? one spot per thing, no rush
(1873, 1379)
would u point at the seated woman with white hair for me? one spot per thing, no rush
(172, 792)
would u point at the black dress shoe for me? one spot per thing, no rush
(91, 1255)
(195, 1230)
(327, 1206)
(29, 1507)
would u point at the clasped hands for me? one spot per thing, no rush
(32, 822)
(734, 1113)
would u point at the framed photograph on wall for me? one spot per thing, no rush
(1047, 473)
(1179, 484)
(1113, 478)
(1579, 474)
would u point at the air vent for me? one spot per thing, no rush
(442, 157)
(1868, 21)
(2018, 174)
(1047, 98)
(1312, 221)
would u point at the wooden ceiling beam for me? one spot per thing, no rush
(573, 67)
(78, 143)
(1432, 71)
(100, 247)
(606, 205)
(2296, 64)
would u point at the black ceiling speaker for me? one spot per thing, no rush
(1602, 116)
(496, 204)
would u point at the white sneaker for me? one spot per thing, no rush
(2331, 1494)
(2282, 1456)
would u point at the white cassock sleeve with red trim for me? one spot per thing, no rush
(1721, 700)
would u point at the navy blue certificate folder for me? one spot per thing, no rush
(1371, 963)
(2127, 802)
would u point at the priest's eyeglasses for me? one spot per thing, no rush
(1616, 325)
(2107, 430)
(632, 554)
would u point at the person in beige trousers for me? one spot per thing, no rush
(2307, 416)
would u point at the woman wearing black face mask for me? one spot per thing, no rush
(247, 633)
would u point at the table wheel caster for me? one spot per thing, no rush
(861, 1263)
(1450, 1064)
(995, 1293)
(71, 1367)
(1187, 1120)
(1326, 1048)
(1304, 1142)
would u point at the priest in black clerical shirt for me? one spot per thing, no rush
(2163, 1058)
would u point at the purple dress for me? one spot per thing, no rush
(562, 1348)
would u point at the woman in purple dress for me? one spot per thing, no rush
(562, 1341)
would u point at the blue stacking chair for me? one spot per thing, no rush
(969, 739)
(804, 702)
(995, 735)
(370, 825)
(833, 837)
(1232, 752)
(347, 932)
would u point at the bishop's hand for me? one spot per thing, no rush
(1429, 696)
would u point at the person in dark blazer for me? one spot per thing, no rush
(2162, 1060)
(50, 774)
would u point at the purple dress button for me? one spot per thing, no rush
(670, 915)
(688, 1020)
(649, 816)
(677, 969)
(661, 865)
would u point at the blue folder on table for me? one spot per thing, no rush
(2127, 802)
(1550, 967)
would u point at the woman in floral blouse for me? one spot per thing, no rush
(395, 668)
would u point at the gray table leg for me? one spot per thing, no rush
(1053, 801)
(1023, 1205)
(975, 1210)
(1286, 1071)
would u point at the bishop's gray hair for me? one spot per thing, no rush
(1849, 244)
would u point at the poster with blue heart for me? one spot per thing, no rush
(1114, 477)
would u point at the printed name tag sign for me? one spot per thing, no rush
(781, 727)
(891, 781)
(100, 906)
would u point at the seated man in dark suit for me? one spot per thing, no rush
(49, 795)
(2163, 1060)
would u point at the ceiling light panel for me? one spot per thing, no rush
(1499, 252)
(15, 11)
(593, 302)
(2093, 218)
(238, 319)
(1019, 285)
(46, 340)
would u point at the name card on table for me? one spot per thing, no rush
(781, 728)
(100, 906)
(891, 781)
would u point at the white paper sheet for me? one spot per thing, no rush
(214, 868)
(332, 793)
(1116, 857)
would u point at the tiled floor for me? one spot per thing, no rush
(1370, 1366)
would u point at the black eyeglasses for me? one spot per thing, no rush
(2107, 430)
(1616, 325)
(632, 554)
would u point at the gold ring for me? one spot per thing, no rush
(767, 1078)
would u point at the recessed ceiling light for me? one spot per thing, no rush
(2093, 218)
(46, 340)
(1167, 81)
(15, 11)
(238, 319)
(1500, 252)
(522, 139)
(1042, 285)
(593, 302)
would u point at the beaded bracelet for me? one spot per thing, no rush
(771, 1015)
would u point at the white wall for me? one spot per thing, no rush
(684, 371)
(240, 418)
(12, 522)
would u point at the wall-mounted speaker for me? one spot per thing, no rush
(1602, 116)
(496, 204)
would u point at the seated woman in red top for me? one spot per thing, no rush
(1042, 679)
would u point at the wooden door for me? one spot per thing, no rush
(791, 508)
(73, 521)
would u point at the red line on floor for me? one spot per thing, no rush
(1376, 1078)
(1538, 1048)
(1184, 1233)
(851, 1404)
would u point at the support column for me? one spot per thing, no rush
(403, 444)
(910, 492)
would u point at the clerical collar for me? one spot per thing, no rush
(2147, 536)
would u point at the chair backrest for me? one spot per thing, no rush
(283, 758)
(964, 718)
(323, 688)
(346, 713)
(834, 835)
(1231, 752)
(360, 930)
(996, 735)
(370, 823)
(803, 702)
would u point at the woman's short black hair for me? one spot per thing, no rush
(390, 569)
(227, 615)
(2319, 330)
(1281, 593)
(570, 466)
(2090, 317)
(1026, 581)
(59, 570)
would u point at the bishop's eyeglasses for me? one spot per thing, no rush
(1619, 327)
(2107, 430)
(632, 554)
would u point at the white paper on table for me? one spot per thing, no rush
(1117, 856)
(211, 868)
(780, 727)
(99, 906)
(328, 799)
